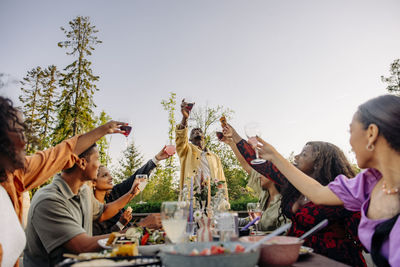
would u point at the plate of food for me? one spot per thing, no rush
(305, 250)
(149, 241)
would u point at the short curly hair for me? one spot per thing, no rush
(8, 122)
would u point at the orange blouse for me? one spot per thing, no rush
(38, 168)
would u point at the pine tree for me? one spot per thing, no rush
(393, 81)
(103, 145)
(32, 85)
(46, 107)
(131, 160)
(75, 107)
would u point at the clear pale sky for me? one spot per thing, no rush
(299, 68)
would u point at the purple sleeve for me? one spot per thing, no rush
(349, 191)
(354, 191)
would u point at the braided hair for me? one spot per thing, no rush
(329, 162)
(8, 123)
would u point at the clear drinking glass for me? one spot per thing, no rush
(174, 215)
(170, 149)
(142, 185)
(254, 210)
(252, 130)
(127, 128)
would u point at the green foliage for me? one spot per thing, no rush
(130, 161)
(393, 81)
(103, 144)
(164, 182)
(149, 207)
(155, 206)
(32, 85)
(240, 205)
(75, 107)
(46, 106)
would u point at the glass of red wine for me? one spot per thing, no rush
(189, 103)
(220, 135)
(127, 128)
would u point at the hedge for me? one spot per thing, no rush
(153, 207)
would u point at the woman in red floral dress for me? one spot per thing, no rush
(322, 161)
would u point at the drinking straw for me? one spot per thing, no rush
(250, 223)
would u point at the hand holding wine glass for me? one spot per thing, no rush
(252, 131)
(186, 107)
(266, 151)
(143, 180)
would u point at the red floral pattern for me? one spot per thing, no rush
(342, 245)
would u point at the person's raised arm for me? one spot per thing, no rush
(185, 115)
(181, 139)
(89, 138)
(112, 208)
(242, 161)
(308, 186)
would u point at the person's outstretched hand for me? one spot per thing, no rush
(184, 109)
(162, 154)
(135, 187)
(265, 150)
(125, 217)
(114, 127)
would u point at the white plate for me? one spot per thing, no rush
(305, 250)
(148, 250)
(103, 243)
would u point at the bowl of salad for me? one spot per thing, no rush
(208, 254)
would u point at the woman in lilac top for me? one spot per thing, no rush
(375, 139)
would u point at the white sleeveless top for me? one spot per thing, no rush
(12, 235)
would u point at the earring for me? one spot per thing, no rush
(370, 147)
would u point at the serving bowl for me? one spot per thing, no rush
(278, 251)
(178, 255)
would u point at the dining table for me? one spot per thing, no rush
(314, 259)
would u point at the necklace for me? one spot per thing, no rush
(389, 191)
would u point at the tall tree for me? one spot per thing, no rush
(75, 108)
(130, 161)
(393, 81)
(32, 85)
(103, 145)
(46, 108)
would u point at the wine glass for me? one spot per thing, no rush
(252, 131)
(126, 128)
(254, 211)
(142, 185)
(190, 103)
(174, 216)
(170, 148)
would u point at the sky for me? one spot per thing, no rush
(298, 68)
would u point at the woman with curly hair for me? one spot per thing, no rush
(322, 161)
(20, 173)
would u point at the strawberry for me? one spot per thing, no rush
(239, 248)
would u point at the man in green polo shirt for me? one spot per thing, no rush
(61, 215)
